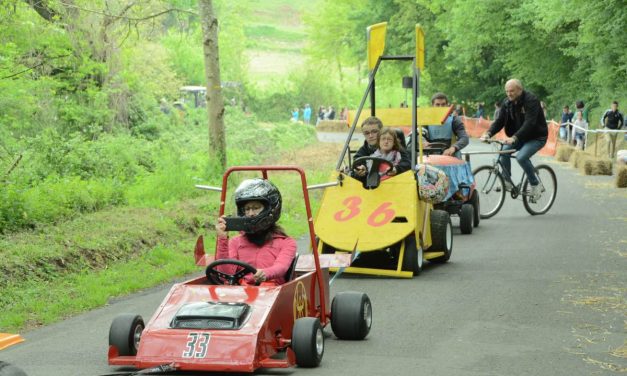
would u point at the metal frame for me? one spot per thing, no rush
(371, 92)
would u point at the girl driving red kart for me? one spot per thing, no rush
(264, 245)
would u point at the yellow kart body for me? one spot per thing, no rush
(354, 219)
(386, 227)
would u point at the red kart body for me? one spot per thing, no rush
(202, 326)
(265, 332)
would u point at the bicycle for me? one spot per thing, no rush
(491, 184)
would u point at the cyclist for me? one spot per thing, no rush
(444, 133)
(525, 126)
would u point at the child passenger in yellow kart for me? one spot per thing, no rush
(372, 129)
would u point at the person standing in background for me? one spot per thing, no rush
(307, 114)
(566, 127)
(612, 119)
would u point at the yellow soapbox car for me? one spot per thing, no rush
(387, 227)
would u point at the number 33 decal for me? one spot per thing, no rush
(380, 216)
(196, 345)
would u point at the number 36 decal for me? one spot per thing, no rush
(380, 216)
(196, 346)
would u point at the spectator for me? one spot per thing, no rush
(566, 127)
(580, 105)
(307, 114)
(321, 113)
(344, 114)
(612, 119)
(330, 115)
(480, 112)
(497, 109)
(459, 110)
(294, 115)
(580, 126)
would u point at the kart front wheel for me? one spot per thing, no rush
(412, 256)
(125, 333)
(7, 369)
(308, 342)
(466, 218)
(441, 235)
(351, 315)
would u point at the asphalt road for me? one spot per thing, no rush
(522, 295)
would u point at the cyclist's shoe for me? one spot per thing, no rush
(536, 192)
(508, 185)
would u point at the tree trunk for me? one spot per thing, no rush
(215, 103)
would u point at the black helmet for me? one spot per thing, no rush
(265, 192)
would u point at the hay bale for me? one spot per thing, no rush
(332, 126)
(578, 157)
(604, 166)
(564, 151)
(596, 166)
(621, 176)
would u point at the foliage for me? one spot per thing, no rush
(562, 50)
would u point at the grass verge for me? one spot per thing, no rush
(79, 265)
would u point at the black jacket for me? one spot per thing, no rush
(523, 119)
(366, 150)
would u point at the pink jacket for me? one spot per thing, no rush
(274, 257)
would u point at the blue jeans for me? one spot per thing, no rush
(525, 151)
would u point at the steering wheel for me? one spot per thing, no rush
(372, 178)
(376, 161)
(221, 278)
(435, 148)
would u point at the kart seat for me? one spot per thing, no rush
(291, 271)
(401, 137)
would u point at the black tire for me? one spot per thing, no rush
(413, 257)
(326, 249)
(351, 315)
(491, 186)
(441, 235)
(7, 369)
(125, 333)
(466, 218)
(474, 200)
(549, 183)
(308, 342)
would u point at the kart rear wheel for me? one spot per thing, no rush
(125, 333)
(351, 315)
(413, 257)
(441, 235)
(308, 342)
(474, 200)
(7, 369)
(466, 218)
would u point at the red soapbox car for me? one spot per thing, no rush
(204, 326)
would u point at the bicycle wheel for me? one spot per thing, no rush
(548, 182)
(491, 187)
